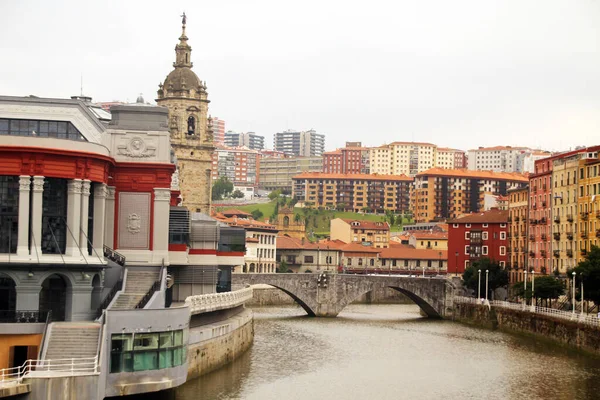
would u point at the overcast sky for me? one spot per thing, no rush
(461, 73)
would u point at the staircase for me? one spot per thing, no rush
(72, 340)
(137, 285)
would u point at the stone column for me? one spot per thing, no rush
(109, 217)
(79, 306)
(100, 192)
(36, 216)
(23, 233)
(85, 205)
(160, 237)
(28, 295)
(73, 217)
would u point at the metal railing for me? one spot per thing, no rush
(111, 295)
(23, 316)
(49, 368)
(155, 286)
(114, 256)
(218, 301)
(588, 319)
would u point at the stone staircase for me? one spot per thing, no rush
(137, 285)
(72, 340)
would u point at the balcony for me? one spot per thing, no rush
(29, 316)
(570, 218)
(531, 253)
(584, 235)
(510, 219)
(583, 252)
(570, 253)
(544, 237)
(543, 204)
(598, 233)
(543, 253)
(585, 215)
(532, 238)
(523, 249)
(570, 235)
(534, 206)
(556, 253)
(557, 220)
(543, 220)
(524, 234)
(598, 214)
(517, 219)
(556, 235)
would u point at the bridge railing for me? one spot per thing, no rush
(218, 301)
(588, 319)
(49, 369)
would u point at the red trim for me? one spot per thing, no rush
(175, 197)
(61, 152)
(231, 253)
(202, 251)
(177, 247)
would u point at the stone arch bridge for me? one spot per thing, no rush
(326, 295)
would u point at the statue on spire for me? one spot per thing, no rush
(183, 18)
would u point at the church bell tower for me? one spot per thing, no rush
(186, 98)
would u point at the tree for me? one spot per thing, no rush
(221, 188)
(257, 214)
(274, 194)
(297, 218)
(589, 271)
(546, 287)
(283, 267)
(497, 277)
(237, 194)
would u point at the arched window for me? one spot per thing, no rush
(286, 221)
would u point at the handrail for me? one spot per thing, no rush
(217, 301)
(49, 368)
(44, 336)
(155, 286)
(23, 316)
(113, 255)
(109, 297)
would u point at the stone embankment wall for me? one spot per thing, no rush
(571, 333)
(265, 295)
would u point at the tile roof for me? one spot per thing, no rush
(407, 252)
(467, 173)
(235, 211)
(430, 235)
(491, 216)
(365, 177)
(494, 148)
(290, 243)
(367, 224)
(245, 222)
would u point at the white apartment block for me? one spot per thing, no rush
(410, 158)
(504, 159)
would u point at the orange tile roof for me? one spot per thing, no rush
(449, 149)
(467, 173)
(290, 243)
(430, 235)
(494, 148)
(365, 177)
(491, 216)
(368, 224)
(407, 252)
(414, 143)
(245, 222)
(234, 211)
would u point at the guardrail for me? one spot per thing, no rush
(114, 256)
(23, 316)
(587, 319)
(49, 369)
(218, 301)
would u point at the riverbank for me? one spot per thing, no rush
(574, 333)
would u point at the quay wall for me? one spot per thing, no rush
(265, 295)
(569, 333)
(213, 345)
(64, 388)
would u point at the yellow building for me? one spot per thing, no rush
(368, 233)
(288, 225)
(186, 98)
(429, 240)
(518, 207)
(588, 203)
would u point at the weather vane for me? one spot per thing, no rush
(183, 18)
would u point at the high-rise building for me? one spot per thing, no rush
(186, 98)
(300, 143)
(352, 159)
(239, 165)
(276, 172)
(249, 139)
(504, 159)
(439, 194)
(218, 128)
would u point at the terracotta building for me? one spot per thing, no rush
(589, 202)
(347, 160)
(289, 225)
(518, 222)
(477, 235)
(439, 194)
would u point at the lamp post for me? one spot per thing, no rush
(423, 270)
(525, 285)
(574, 273)
(479, 285)
(440, 263)
(582, 293)
(487, 279)
(456, 264)
(533, 286)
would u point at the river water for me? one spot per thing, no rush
(391, 352)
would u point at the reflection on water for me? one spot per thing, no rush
(390, 352)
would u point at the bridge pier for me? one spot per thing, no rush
(326, 295)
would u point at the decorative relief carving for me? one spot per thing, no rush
(101, 191)
(175, 180)
(136, 148)
(74, 186)
(134, 223)
(38, 183)
(162, 194)
(24, 183)
(85, 187)
(110, 192)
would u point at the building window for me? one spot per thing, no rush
(349, 261)
(502, 264)
(467, 225)
(502, 250)
(467, 249)
(484, 236)
(485, 225)
(131, 352)
(484, 250)
(308, 259)
(502, 235)
(502, 225)
(467, 235)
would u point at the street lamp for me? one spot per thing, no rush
(574, 273)
(487, 279)
(440, 263)
(479, 285)
(456, 264)
(533, 286)
(525, 283)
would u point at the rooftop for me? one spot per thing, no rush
(407, 252)
(364, 177)
(493, 216)
(472, 174)
(367, 224)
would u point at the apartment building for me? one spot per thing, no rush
(300, 143)
(439, 194)
(369, 233)
(589, 202)
(276, 173)
(518, 223)
(402, 158)
(239, 165)
(505, 158)
(450, 158)
(352, 159)
(246, 139)
(353, 192)
(218, 129)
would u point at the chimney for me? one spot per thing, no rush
(303, 241)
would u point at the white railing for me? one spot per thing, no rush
(218, 301)
(49, 369)
(588, 319)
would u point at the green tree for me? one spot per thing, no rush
(497, 277)
(297, 218)
(222, 188)
(274, 194)
(340, 206)
(283, 267)
(237, 194)
(589, 271)
(257, 214)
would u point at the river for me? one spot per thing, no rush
(391, 352)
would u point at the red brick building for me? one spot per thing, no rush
(352, 159)
(476, 236)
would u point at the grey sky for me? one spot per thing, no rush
(456, 73)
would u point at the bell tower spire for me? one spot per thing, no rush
(183, 50)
